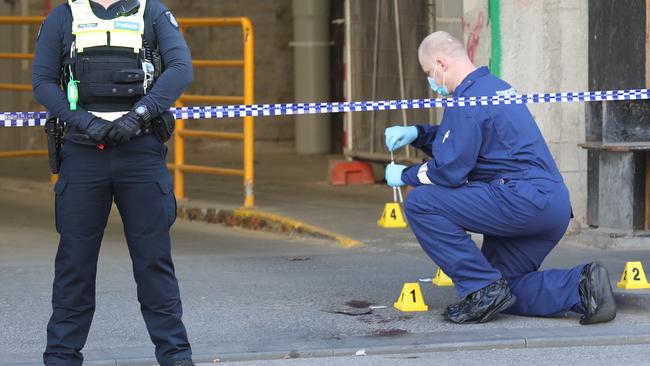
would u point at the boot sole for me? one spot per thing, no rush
(604, 295)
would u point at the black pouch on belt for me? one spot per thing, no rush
(54, 131)
(163, 126)
(127, 76)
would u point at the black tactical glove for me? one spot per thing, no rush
(125, 128)
(98, 130)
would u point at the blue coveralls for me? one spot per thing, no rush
(134, 175)
(492, 173)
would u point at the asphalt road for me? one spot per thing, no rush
(247, 293)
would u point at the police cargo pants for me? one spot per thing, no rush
(133, 175)
(521, 222)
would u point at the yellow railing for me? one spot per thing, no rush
(10, 20)
(179, 167)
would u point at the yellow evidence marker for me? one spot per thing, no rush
(633, 277)
(442, 279)
(411, 298)
(392, 216)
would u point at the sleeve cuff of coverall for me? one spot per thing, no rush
(417, 142)
(422, 139)
(416, 175)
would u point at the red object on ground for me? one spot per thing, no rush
(351, 172)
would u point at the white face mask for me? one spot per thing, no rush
(442, 90)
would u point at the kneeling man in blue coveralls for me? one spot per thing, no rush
(491, 173)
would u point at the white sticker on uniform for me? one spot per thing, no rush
(38, 35)
(507, 93)
(422, 174)
(87, 25)
(446, 136)
(124, 25)
(171, 18)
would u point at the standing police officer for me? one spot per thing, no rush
(121, 65)
(491, 173)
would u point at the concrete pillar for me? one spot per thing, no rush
(621, 180)
(311, 44)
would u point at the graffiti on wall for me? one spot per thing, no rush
(477, 36)
(472, 29)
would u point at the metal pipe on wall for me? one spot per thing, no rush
(375, 64)
(431, 27)
(311, 26)
(25, 37)
(400, 67)
(347, 79)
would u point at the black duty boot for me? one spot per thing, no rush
(481, 306)
(186, 362)
(596, 295)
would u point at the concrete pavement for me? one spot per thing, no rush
(249, 295)
(574, 356)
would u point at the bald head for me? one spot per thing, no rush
(441, 43)
(443, 58)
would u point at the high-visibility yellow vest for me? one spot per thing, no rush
(91, 31)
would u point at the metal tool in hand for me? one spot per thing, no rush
(396, 190)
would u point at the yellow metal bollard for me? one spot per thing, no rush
(249, 124)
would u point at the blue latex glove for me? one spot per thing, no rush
(394, 175)
(398, 136)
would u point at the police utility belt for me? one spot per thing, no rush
(110, 67)
(57, 134)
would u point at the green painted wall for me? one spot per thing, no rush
(494, 14)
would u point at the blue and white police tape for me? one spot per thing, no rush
(26, 119)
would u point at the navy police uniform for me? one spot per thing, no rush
(132, 174)
(491, 173)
